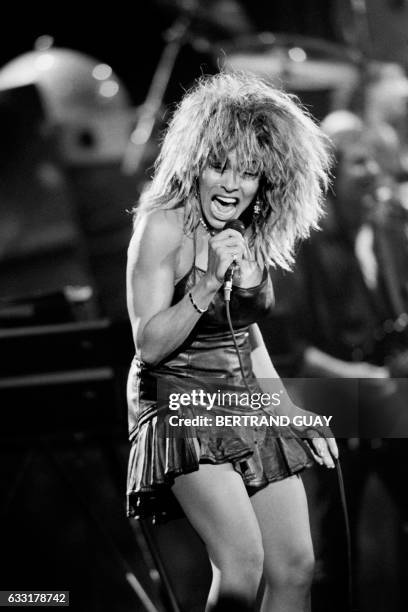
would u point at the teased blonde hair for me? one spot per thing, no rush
(265, 127)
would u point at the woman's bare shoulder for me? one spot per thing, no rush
(158, 231)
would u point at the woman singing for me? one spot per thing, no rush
(235, 148)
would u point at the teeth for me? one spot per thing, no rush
(225, 200)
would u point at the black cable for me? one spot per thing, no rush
(348, 535)
(241, 366)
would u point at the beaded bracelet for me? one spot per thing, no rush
(197, 308)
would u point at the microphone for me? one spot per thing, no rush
(238, 226)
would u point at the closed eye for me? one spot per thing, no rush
(220, 167)
(217, 166)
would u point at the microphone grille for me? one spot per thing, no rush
(235, 224)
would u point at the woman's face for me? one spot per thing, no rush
(224, 192)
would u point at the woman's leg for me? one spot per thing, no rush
(282, 513)
(216, 503)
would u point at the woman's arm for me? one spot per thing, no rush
(153, 260)
(270, 383)
(262, 365)
(158, 327)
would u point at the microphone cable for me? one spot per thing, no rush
(238, 226)
(241, 365)
(343, 502)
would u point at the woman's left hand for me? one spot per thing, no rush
(248, 273)
(323, 450)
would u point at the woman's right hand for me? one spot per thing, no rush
(223, 249)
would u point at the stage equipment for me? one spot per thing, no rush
(42, 245)
(63, 408)
(69, 303)
(83, 101)
(140, 137)
(67, 118)
(321, 73)
(198, 24)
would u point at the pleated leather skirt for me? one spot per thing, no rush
(158, 455)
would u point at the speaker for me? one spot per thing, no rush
(42, 245)
(65, 377)
(63, 457)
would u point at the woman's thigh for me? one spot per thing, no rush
(216, 503)
(282, 513)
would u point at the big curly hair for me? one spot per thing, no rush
(268, 129)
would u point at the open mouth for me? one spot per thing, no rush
(223, 207)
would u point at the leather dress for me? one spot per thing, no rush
(207, 357)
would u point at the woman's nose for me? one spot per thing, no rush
(230, 180)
